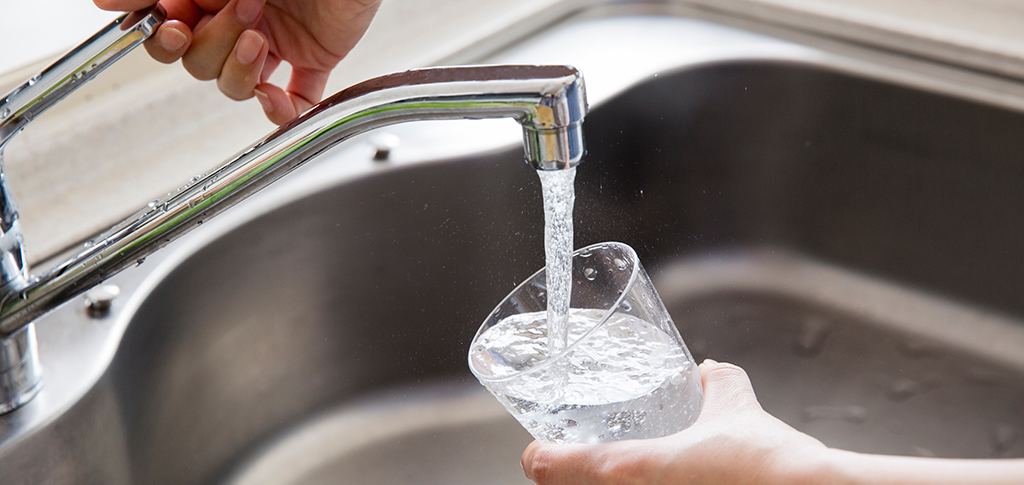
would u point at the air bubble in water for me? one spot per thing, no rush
(590, 273)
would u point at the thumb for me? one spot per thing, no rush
(727, 390)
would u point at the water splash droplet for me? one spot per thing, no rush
(590, 273)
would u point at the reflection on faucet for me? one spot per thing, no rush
(548, 101)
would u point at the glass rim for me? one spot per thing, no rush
(568, 348)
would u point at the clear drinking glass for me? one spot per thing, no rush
(624, 372)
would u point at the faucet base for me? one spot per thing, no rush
(22, 377)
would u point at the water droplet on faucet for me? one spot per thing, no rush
(590, 273)
(6, 112)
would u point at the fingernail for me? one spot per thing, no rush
(250, 43)
(248, 11)
(172, 40)
(264, 100)
(710, 362)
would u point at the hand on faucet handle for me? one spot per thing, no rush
(241, 42)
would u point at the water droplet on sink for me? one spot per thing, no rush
(811, 337)
(1004, 435)
(922, 451)
(590, 273)
(851, 413)
(904, 388)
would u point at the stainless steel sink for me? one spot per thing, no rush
(850, 239)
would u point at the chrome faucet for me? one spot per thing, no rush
(548, 101)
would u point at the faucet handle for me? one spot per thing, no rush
(65, 75)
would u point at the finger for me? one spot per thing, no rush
(553, 463)
(306, 87)
(269, 66)
(214, 40)
(170, 42)
(727, 390)
(123, 5)
(279, 106)
(242, 69)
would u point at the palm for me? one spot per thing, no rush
(306, 33)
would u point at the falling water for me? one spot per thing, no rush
(559, 196)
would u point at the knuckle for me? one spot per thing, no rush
(232, 91)
(727, 372)
(200, 70)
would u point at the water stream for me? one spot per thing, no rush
(559, 196)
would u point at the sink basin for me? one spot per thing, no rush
(852, 241)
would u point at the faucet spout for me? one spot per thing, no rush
(548, 101)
